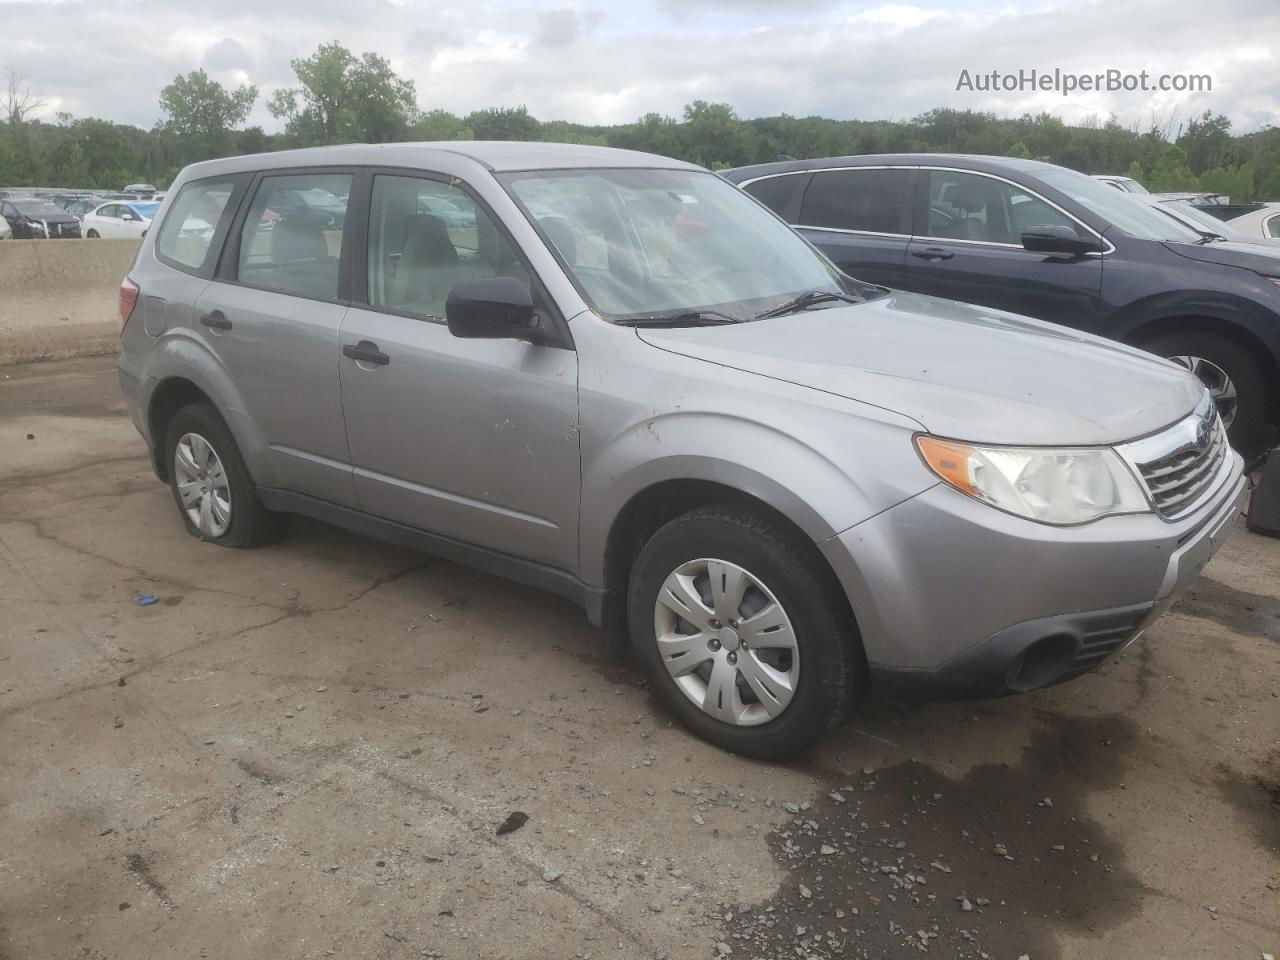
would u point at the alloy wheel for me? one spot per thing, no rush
(202, 485)
(1221, 388)
(727, 642)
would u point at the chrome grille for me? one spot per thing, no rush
(1180, 466)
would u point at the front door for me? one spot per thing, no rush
(473, 439)
(968, 246)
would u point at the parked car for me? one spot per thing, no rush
(79, 208)
(1199, 218)
(653, 397)
(140, 191)
(6, 231)
(31, 219)
(1033, 238)
(117, 219)
(1263, 223)
(1123, 184)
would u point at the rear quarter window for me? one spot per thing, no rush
(186, 235)
(780, 194)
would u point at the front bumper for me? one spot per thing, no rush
(956, 600)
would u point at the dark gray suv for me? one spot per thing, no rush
(617, 377)
(1047, 242)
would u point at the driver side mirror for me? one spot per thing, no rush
(132, 216)
(494, 308)
(1055, 238)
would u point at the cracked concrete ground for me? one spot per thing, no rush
(305, 750)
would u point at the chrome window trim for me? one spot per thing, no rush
(1107, 246)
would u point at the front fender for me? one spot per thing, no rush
(822, 493)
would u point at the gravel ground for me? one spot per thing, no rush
(307, 750)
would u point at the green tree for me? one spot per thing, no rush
(344, 98)
(1019, 150)
(203, 113)
(440, 125)
(1171, 172)
(503, 123)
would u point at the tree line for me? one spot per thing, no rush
(341, 97)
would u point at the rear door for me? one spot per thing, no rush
(968, 246)
(271, 315)
(473, 439)
(860, 217)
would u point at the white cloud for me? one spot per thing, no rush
(605, 61)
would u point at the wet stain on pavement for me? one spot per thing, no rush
(891, 862)
(139, 867)
(1257, 798)
(1250, 614)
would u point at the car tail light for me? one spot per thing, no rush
(128, 300)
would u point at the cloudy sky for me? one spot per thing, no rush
(606, 62)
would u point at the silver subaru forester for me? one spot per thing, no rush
(619, 378)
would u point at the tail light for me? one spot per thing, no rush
(128, 300)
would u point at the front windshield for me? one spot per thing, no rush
(37, 208)
(145, 210)
(1135, 217)
(647, 243)
(1205, 221)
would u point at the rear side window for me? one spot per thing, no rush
(186, 235)
(1273, 226)
(875, 201)
(425, 237)
(778, 193)
(292, 236)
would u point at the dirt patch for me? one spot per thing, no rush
(256, 770)
(1257, 798)
(139, 867)
(891, 862)
(1250, 614)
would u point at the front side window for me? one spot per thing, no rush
(871, 201)
(970, 206)
(188, 228)
(426, 237)
(642, 242)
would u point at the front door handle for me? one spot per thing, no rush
(366, 351)
(216, 320)
(933, 253)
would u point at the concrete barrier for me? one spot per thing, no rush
(60, 298)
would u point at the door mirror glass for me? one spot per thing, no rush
(493, 308)
(1053, 238)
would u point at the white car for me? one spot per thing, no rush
(6, 231)
(1262, 224)
(118, 218)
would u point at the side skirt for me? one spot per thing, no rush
(537, 575)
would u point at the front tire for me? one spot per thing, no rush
(744, 632)
(93, 235)
(216, 497)
(1234, 378)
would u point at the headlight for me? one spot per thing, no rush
(1062, 486)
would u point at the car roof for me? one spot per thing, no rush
(445, 156)
(964, 161)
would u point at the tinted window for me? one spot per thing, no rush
(425, 237)
(874, 200)
(292, 236)
(188, 227)
(1273, 226)
(776, 193)
(969, 206)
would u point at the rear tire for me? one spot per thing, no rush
(1250, 411)
(721, 691)
(216, 497)
(93, 235)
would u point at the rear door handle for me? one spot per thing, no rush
(366, 351)
(933, 253)
(216, 320)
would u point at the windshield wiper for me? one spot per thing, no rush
(1208, 237)
(807, 299)
(685, 318)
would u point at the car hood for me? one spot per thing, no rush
(1233, 253)
(959, 371)
(56, 218)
